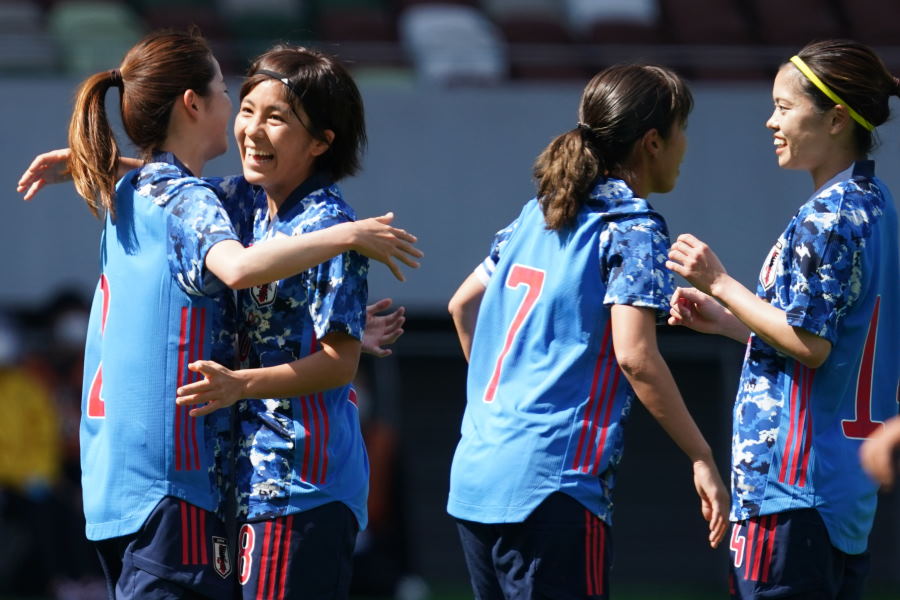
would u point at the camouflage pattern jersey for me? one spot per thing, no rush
(295, 454)
(797, 430)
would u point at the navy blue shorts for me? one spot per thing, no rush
(304, 555)
(560, 551)
(181, 551)
(789, 555)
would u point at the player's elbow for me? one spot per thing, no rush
(343, 352)
(814, 359)
(813, 350)
(636, 362)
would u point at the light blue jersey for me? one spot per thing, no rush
(797, 431)
(155, 309)
(546, 400)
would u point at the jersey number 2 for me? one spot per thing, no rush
(862, 426)
(533, 280)
(96, 407)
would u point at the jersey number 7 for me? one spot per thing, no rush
(533, 280)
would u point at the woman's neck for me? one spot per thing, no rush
(837, 162)
(189, 154)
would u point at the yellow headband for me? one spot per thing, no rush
(798, 62)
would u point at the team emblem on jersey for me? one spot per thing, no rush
(264, 294)
(222, 562)
(767, 275)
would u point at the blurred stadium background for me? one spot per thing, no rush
(460, 97)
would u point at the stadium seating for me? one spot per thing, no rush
(452, 44)
(464, 41)
(25, 46)
(93, 35)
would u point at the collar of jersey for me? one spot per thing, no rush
(170, 158)
(861, 169)
(316, 181)
(613, 196)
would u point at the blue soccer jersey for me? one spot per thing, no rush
(155, 310)
(295, 454)
(797, 430)
(546, 398)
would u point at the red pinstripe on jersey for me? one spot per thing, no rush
(190, 348)
(321, 399)
(594, 554)
(316, 432)
(274, 559)
(590, 449)
(795, 454)
(760, 543)
(193, 535)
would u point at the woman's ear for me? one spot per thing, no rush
(191, 103)
(322, 146)
(651, 142)
(840, 118)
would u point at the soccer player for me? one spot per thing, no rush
(302, 470)
(153, 475)
(564, 306)
(822, 367)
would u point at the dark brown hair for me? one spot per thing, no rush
(322, 87)
(155, 72)
(619, 105)
(858, 76)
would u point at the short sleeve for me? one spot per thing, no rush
(337, 289)
(196, 222)
(825, 268)
(485, 270)
(633, 264)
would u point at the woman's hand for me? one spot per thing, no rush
(698, 311)
(696, 262)
(880, 452)
(382, 330)
(47, 168)
(714, 499)
(219, 388)
(376, 239)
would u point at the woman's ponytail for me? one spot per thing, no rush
(565, 172)
(95, 154)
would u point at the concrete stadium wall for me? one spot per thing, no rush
(454, 165)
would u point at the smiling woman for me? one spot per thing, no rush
(822, 368)
(301, 468)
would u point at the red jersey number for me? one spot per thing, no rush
(96, 407)
(533, 280)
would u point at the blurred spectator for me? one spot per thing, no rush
(30, 465)
(41, 358)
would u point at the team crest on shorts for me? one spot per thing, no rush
(222, 558)
(767, 275)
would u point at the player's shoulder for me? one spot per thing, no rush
(163, 183)
(321, 208)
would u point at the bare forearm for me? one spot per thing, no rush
(323, 370)
(655, 387)
(770, 323)
(734, 328)
(464, 308)
(239, 267)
